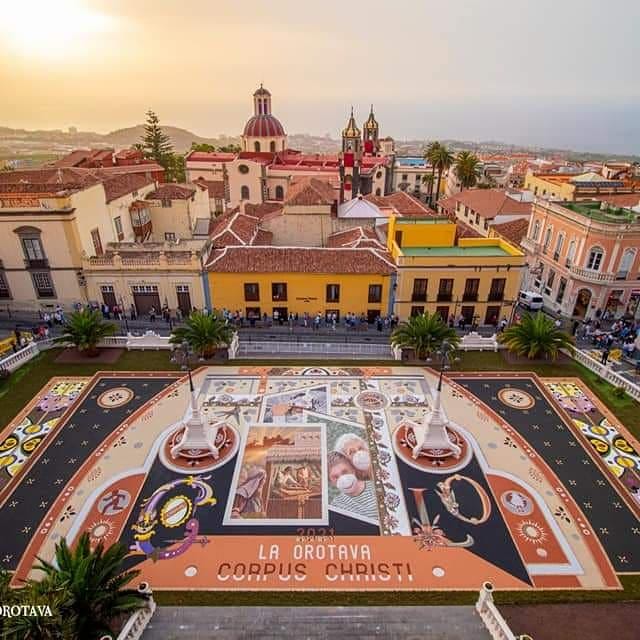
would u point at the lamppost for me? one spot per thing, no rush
(433, 435)
(196, 435)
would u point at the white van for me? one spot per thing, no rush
(530, 300)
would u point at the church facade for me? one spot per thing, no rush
(264, 169)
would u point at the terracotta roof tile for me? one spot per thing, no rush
(621, 199)
(299, 260)
(402, 203)
(122, 184)
(171, 191)
(489, 203)
(215, 187)
(233, 228)
(262, 209)
(309, 192)
(513, 231)
(357, 237)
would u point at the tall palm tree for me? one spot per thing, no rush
(442, 160)
(92, 585)
(84, 329)
(429, 156)
(466, 167)
(424, 333)
(536, 336)
(204, 333)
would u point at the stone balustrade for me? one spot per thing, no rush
(492, 618)
(589, 275)
(473, 341)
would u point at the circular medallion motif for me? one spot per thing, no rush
(601, 446)
(176, 511)
(621, 444)
(516, 502)
(200, 460)
(516, 398)
(432, 460)
(371, 401)
(116, 397)
(532, 532)
(9, 443)
(101, 530)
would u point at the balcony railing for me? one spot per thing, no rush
(495, 297)
(588, 275)
(445, 297)
(556, 256)
(418, 297)
(41, 263)
(622, 275)
(470, 297)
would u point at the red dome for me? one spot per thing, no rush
(263, 126)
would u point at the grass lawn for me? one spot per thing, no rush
(27, 381)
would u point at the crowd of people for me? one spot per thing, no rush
(623, 334)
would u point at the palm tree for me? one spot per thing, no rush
(429, 156)
(442, 160)
(91, 586)
(466, 167)
(424, 333)
(536, 336)
(428, 179)
(84, 329)
(204, 333)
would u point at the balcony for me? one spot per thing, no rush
(588, 275)
(445, 297)
(41, 263)
(470, 297)
(495, 297)
(418, 297)
(529, 245)
(556, 256)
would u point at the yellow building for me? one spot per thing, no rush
(277, 281)
(478, 278)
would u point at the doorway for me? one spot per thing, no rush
(184, 299)
(144, 297)
(582, 303)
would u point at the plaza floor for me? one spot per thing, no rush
(317, 483)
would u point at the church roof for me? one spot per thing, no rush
(263, 126)
(310, 191)
(371, 122)
(351, 130)
(261, 91)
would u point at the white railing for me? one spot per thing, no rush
(605, 372)
(148, 340)
(15, 360)
(473, 341)
(492, 618)
(137, 623)
(592, 276)
(276, 348)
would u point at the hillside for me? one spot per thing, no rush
(181, 138)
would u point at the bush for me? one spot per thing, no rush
(619, 392)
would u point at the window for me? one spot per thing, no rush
(595, 258)
(243, 168)
(571, 250)
(419, 293)
(169, 236)
(279, 291)
(97, 243)
(535, 234)
(477, 218)
(244, 192)
(4, 287)
(486, 225)
(253, 313)
(417, 311)
(43, 284)
(272, 146)
(556, 253)
(496, 292)
(625, 264)
(378, 192)
(405, 177)
(279, 193)
(445, 290)
(562, 285)
(375, 293)
(117, 223)
(33, 251)
(166, 202)
(251, 291)
(550, 278)
(398, 238)
(333, 293)
(471, 287)
(537, 283)
(256, 146)
(547, 240)
(443, 312)
(466, 211)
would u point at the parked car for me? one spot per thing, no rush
(530, 300)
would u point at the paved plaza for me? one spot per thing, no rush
(316, 480)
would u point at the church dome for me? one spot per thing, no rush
(263, 126)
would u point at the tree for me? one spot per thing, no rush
(230, 148)
(156, 144)
(428, 179)
(424, 333)
(205, 147)
(203, 333)
(175, 168)
(430, 156)
(536, 336)
(84, 329)
(89, 588)
(467, 167)
(442, 160)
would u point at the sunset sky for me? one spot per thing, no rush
(546, 72)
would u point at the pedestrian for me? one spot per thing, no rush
(605, 356)
(133, 313)
(574, 327)
(152, 314)
(178, 314)
(503, 324)
(379, 323)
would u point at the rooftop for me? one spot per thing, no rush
(491, 251)
(609, 214)
(488, 203)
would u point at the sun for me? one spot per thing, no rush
(51, 30)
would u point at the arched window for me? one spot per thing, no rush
(279, 193)
(595, 258)
(244, 192)
(547, 239)
(559, 242)
(626, 263)
(378, 192)
(256, 146)
(272, 146)
(571, 252)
